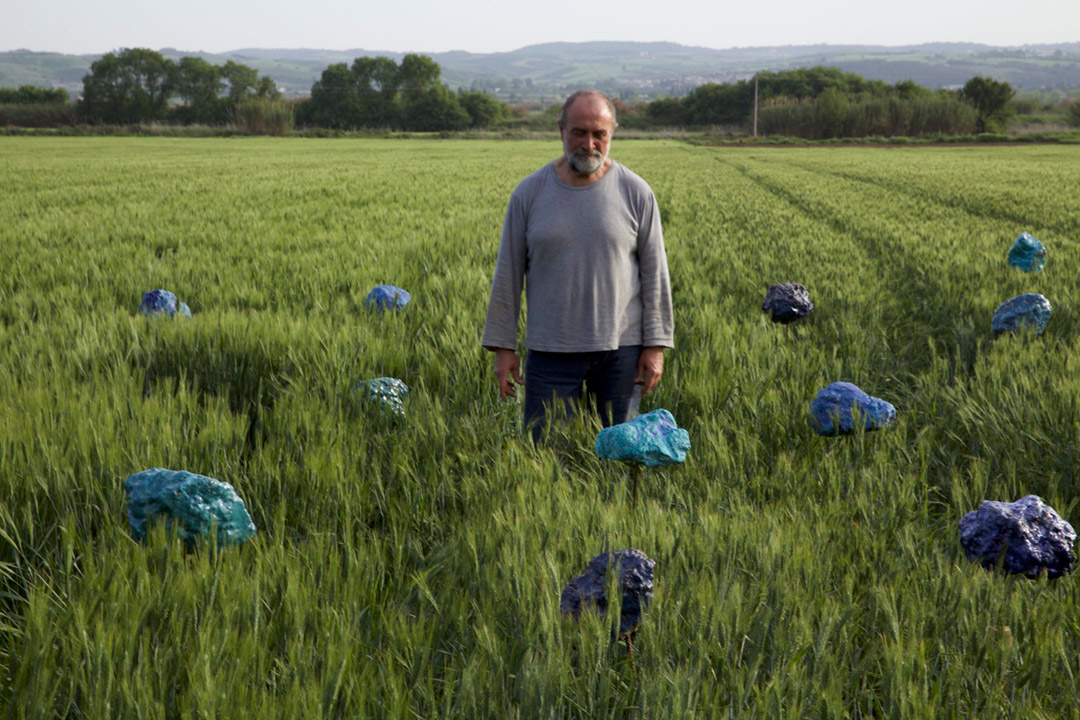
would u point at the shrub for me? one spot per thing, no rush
(33, 95)
(37, 115)
(1072, 114)
(264, 116)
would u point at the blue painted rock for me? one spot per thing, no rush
(652, 439)
(1028, 254)
(387, 297)
(1027, 536)
(386, 392)
(787, 302)
(192, 503)
(635, 584)
(162, 303)
(832, 410)
(1028, 310)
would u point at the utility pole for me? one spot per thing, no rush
(755, 106)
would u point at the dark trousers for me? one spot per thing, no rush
(605, 379)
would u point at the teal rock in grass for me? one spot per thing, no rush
(652, 439)
(162, 303)
(1028, 310)
(1028, 254)
(193, 503)
(832, 411)
(386, 392)
(387, 297)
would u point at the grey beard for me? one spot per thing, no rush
(584, 164)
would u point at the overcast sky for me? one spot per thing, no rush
(483, 26)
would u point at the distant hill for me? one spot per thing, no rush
(627, 69)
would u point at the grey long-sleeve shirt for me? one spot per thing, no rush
(592, 263)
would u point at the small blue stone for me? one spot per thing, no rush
(1028, 310)
(387, 297)
(158, 303)
(652, 439)
(1027, 254)
(832, 411)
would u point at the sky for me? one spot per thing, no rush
(485, 26)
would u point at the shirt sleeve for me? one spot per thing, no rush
(500, 329)
(657, 319)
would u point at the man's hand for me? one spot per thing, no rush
(650, 367)
(507, 366)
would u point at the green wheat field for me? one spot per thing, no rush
(413, 570)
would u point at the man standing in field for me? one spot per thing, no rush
(582, 234)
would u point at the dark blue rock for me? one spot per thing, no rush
(832, 414)
(1027, 536)
(387, 297)
(652, 439)
(787, 302)
(191, 502)
(1028, 254)
(1029, 310)
(162, 303)
(385, 392)
(635, 584)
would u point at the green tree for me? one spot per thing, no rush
(131, 86)
(665, 112)
(811, 82)
(991, 98)
(240, 80)
(334, 99)
(377, 74)
(908, 89)
(267, 89)
(376, 83)
(417, 74)
(484, 111)
(200, 84)
(716, 104)
(433, 109)
(832, 106)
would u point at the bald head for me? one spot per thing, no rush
(592, 95)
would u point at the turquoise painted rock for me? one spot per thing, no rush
(385, 392)
(1027, 254)
(1029, 310)
(652, 439)
(832, 410)
(192, 503)
(387, 297)
(162, 303)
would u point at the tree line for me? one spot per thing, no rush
(138, 85)
(825, 102)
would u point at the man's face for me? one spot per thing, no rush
(587, 134)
